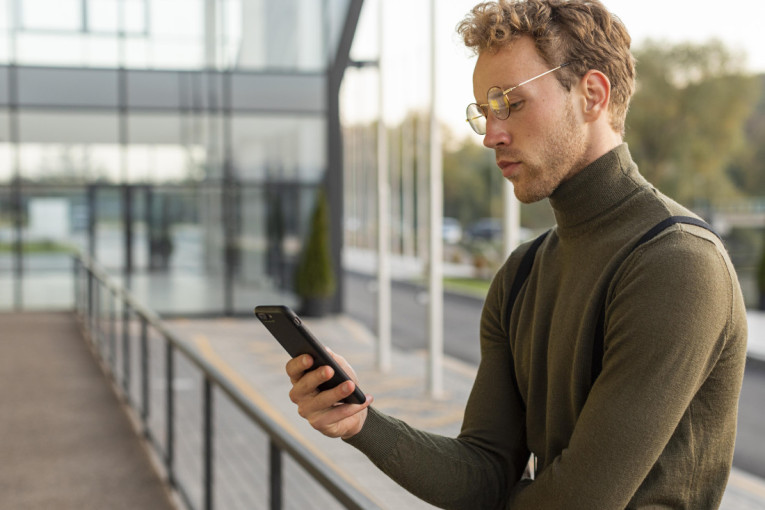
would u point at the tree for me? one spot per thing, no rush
(748, 171)
(315, 281)
(687, 118)
(472, 182)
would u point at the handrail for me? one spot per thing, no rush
(95, 278)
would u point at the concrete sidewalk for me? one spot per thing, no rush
(244, 351)
(65, 441)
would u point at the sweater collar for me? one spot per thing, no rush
(599, 186)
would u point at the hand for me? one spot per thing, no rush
(324, 409)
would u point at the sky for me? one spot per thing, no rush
(738, 23)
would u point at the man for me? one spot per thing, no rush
(656, 426)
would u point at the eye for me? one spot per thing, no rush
(516, 105)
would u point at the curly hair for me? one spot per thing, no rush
(582, 32)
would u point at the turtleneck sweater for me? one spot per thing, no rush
(657, 427)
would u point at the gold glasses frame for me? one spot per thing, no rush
(478, 113)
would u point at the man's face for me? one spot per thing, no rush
(542, 143)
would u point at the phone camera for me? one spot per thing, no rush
(265, 316)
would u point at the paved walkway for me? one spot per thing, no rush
(65, 442)
(244, 351)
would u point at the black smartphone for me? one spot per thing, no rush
(289, 330)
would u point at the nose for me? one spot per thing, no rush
(496, 133)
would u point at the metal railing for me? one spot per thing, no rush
(102, 306)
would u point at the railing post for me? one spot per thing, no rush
(97, 317)
(275, 463)
(145, 374)
(208, 447)
(91, 298)
(169, 369)
(76, 276)
(113, 334)
(126, 348)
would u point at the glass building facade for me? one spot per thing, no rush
(179, 142)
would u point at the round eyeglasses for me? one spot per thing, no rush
(498, 103)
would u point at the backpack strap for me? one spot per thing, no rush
(524, 269)
(522, 274)
(599, 341)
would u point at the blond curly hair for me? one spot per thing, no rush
(582, 32)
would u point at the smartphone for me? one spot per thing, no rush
(289, 330)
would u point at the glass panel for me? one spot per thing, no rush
(103, 15)
(267, 246)
(73, 87)
(261, 34)
(180, 247)
(165, 43)
(51, 15)
(52, 231)
(68, 128)
(161, 163)
(7, 166)
(7, 240)
(7, 230)
(278, 147)
(135, 15)
(69, 163)
(5, 56)
(110, 237)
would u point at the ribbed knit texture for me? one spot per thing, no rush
(656, 428)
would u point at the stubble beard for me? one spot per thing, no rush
(561, 156)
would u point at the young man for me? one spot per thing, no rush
(654, 425)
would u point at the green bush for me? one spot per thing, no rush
(315, 277)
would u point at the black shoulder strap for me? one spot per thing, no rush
(524, 269)
(598, 345)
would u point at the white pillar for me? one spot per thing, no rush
(383, 221)
(511, 219)
(435, 265)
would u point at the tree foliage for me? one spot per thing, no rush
(472, 182)
(686, 123)
(748, 171)
(314, 276)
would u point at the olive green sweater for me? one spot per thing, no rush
(656, 429)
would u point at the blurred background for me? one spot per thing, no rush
(184, 140)
(188, 146)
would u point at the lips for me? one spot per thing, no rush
(509, 169)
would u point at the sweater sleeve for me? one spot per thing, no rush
(476, 469)
(674, 351)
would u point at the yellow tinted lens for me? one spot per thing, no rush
(498, 103)
(476, 118)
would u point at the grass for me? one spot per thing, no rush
(471, 286)
(38, 247)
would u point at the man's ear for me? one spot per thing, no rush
(596, 94)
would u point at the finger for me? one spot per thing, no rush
(334, 396)
(306, 388)
(297, 366)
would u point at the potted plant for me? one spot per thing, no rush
(315, 282)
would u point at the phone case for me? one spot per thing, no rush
(291, 333)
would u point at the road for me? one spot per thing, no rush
(461, 318)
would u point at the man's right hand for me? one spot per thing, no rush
(324, 410)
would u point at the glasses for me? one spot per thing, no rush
(499, 104)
